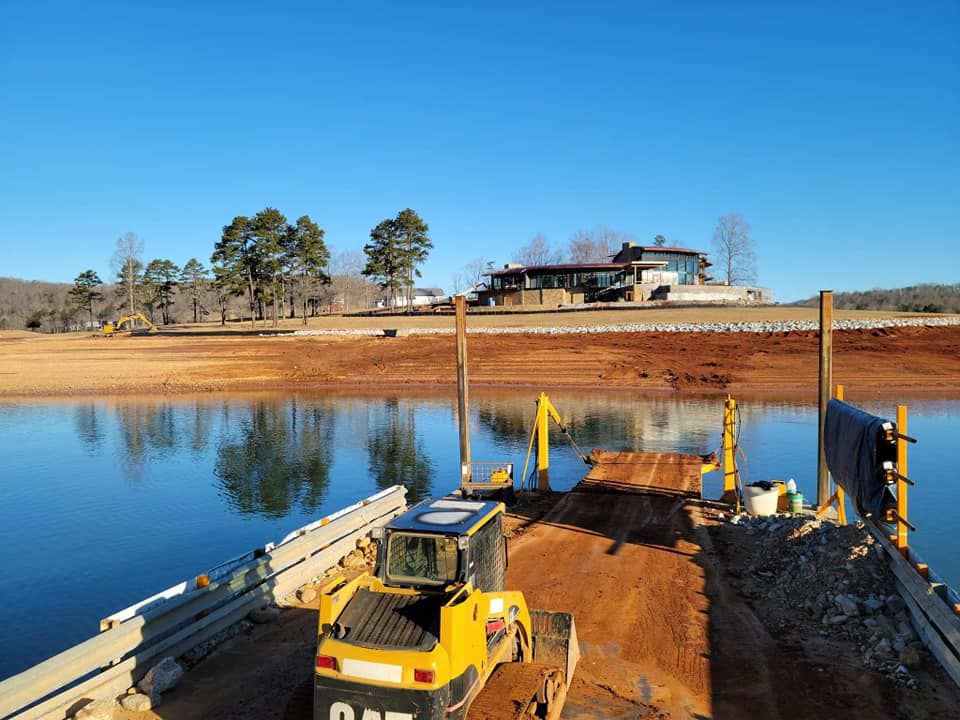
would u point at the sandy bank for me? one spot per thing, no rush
(878, 360)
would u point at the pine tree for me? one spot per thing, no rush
(412, 236)
(269, 229)
(306, 257)
(160, 278)
(385, 259)
(397, 246)
(193, 279)
(84, 292)
(237, 260)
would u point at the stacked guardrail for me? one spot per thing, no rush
(182, 617)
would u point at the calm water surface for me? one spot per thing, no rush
(105, 502)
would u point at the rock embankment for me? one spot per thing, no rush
(712, 327)
(809, 576)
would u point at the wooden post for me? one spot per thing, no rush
(463, 395)
(826, 387)
(902, 542)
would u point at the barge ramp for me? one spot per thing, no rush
(619, 552)
(663, 631)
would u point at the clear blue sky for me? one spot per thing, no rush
(833, 128)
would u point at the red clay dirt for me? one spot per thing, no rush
(914, 359)
(662, 632)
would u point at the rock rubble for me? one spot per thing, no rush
(812, 576)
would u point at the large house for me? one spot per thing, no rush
(636, 273)
(633, 274)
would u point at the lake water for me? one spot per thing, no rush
(104, 502)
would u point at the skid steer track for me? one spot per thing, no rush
(521, 691)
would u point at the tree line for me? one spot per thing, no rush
(925, 298)
(266, 267)
(262, 267)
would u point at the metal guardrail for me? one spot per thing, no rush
(189, 613)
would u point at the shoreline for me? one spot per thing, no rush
(876, 362)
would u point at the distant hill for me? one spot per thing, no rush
(19, 299)
(916, 298)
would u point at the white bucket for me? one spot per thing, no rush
(758, 501)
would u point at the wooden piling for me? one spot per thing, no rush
(463, 398)
(826, 389)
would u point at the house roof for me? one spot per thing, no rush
(434, 292)
(661, 248)
(573, 267)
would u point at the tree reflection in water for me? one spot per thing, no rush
(88, 423)
(396, 454)
(281, 459)
(146, 429)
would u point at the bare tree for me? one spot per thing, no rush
(127, 263)
(582, 248)
(538, 252)
(472, 272)
(734, 251)
(595, 246)
(348, 283)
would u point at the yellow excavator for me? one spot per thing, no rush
(433, 635)
(137, 322)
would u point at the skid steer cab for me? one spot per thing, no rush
(433, 631)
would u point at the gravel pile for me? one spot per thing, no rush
(721, 328)
(812, 576)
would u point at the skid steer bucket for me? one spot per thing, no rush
(555, 640)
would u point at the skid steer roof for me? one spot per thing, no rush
(446, 516)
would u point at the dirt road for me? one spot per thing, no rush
(911, 359)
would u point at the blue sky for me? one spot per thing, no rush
(833, 128)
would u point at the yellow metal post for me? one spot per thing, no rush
(841, 506)
(901, 540)
(729, 452)
(543, 445)
(463, 389)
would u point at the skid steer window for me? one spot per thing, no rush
(421, 559)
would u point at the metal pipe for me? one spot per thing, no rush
(463, 396)
(902, 524)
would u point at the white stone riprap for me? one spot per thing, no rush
(781, 326)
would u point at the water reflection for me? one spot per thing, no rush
(614, 422)
(188, 482)
(88, 423)
(396, 454)
(279, 458)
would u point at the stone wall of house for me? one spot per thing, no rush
(713, 293)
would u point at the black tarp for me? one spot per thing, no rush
(855, 447)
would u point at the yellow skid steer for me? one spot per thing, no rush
(433, 634)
